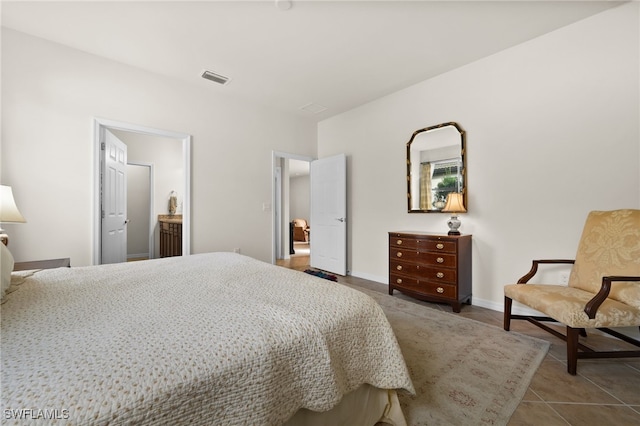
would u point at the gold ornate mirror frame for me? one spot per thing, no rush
(436, 166)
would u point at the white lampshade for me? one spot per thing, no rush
(9, 212)
(454, 204)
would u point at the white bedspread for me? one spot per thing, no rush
(217, 338)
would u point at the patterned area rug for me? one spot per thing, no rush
(464, 372)
(321, 274)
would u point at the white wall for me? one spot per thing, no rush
(166, 156)
(50, 95)
(299, 201)
(138, 190)
(552, 133)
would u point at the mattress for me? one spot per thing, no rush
(215, 338)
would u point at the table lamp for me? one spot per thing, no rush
(454, 206)
(9, 212)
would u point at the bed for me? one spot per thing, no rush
(217, 338)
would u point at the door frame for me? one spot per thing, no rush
(277, 209)
(102, 123)
(151, 170)
(277, 221)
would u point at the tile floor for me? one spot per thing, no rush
(604, 392)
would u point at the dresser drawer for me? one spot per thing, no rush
(437, 245)
(423, 258)
(403, 242)
(445, 275)
(422, 244)
(447, 291)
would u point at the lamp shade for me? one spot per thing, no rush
(8, 210)
(454, 203)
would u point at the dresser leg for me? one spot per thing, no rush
(456, 307)
(390, 291)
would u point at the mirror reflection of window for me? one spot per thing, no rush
(426, 186)
(435, 160)
(446, 178)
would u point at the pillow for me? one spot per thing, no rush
(6, 267)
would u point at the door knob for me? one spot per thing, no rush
(340, 219)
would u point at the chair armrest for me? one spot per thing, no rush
(592, 305)
(534, 268)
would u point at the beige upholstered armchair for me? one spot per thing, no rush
(603, 290)
(300, 230)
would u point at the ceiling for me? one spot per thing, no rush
(326, 54)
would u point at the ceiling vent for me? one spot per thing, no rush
(220, 79)
(313, 108)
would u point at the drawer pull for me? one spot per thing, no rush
(440, 290)
(399, 254)
(440, 260)
(399, 242)
(399, 281)
(399, 267)
(440, 275)
(439, 246)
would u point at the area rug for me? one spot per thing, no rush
(321, 274)
(464, 372)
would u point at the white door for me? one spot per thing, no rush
(328, 236)
(114, 200)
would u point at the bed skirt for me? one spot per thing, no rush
(366, 405)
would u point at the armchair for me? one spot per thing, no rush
(603, 291)
(300, 230)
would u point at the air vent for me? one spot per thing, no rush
(313, 108)
(220, 79)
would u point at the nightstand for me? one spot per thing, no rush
(42, 264)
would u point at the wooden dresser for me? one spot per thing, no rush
(431, 267)
(170, 235)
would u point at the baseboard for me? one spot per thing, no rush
(488, 304)
(516, 308)
(370, 277)
(137, 255)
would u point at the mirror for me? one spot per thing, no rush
(435, 167)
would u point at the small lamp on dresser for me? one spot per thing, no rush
(9, 212)
(454, 206)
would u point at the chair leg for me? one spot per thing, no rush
(507, 313)
(572, 350)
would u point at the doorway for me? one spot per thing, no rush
(140, 212)
(327, 211)
(290, 201)
(299, 208)
(180, 141)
